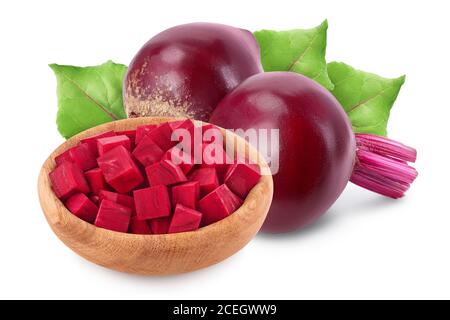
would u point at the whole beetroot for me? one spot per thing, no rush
(316, 147)
(186, 70)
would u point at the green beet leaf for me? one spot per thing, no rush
(88, 96)
(300, 50)
(366, 97)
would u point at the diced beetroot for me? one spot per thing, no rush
(139, 227)
(180, 158)
(164, 173)
(119, 170)
(64, 157)
(121, 199)
(131, 134)
(186, 194)
(214, 155)
(162, 135)
(207, 178)
(241, 178)
(142, 131)
(92, 141)
(160, 225)
(82, 207)
(153, 202)
(81, 155)
(113, 216)
(175, 124)
(218, 205)
(147, 152)
(106, 144)
(185, 219)
(95, 180)
(68, 179)
(95, 199)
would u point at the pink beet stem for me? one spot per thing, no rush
(385, 147)
(381, 165)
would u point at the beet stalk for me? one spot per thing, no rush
(382, 165)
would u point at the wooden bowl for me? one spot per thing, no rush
(155, 254)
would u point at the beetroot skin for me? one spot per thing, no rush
(186, 70)
(317, 145)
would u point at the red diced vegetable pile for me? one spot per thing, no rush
(141, 182)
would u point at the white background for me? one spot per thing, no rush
(365, 247)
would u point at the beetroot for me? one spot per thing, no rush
(207, 179)
(160, 225)
(81, 155)
(316, 149)
(131, 134)
(113, 216)
(186, 70)
(316, 146)
(119, 170)
(92, 141)
(164, 173)
(96, 180)
(185, 219)
(218, 205)
(241, 178)
(162, 135)
(118, 198)
(181, 158)
(82, 207)
(153, 202)
(139, 227)
(142, 131)
(116, 195)
(147, 152)
(106, 144)
(186, 194)
(68, 179)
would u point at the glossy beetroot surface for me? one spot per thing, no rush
(316, 149)
(188, 69)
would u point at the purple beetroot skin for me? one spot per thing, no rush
(317, 145)
(186, 70)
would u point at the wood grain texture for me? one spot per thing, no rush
(155, 254)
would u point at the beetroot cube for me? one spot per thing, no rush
(148, 152)
(95, 180)
(175, 124)
(95, 199)
(68, 179)
(180, 158)
(139, 227)
(160, 225)
(164, 173)
(119, 170)
(81, 155)
(184, 220)
(92, 141)
(113, 216)
(142, 131)
(153, 202)
(64, 157)
(218, 205)
(82, 207)
(131, 134)
(186, 194)
(162, 135)
(241, 178)
(207, 178)
(109, 143)
(121, 199)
